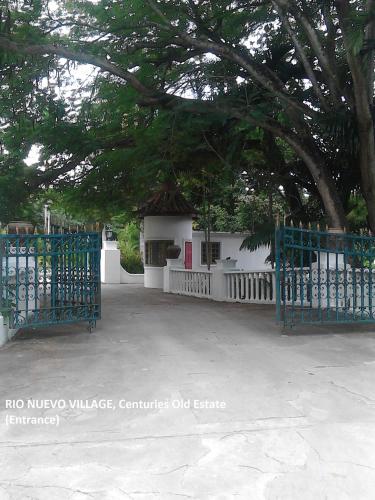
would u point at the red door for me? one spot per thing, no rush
(188, 255)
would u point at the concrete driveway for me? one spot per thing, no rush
(298, 422)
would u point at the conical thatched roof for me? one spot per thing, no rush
(167, 200)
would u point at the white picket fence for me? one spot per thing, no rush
(187, 282)
(230, 286)
(251, 286)
(352, 290)
(325, 288)
(347, 290)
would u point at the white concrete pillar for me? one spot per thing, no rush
(110, 264)
(218, 282)
(3, 332)
(171, 264)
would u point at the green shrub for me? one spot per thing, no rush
(128, 242)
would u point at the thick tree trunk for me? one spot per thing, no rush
(367, 165)
(366, 144)
(362, 73)
(366, 126)
(324, 181)
(331, 200)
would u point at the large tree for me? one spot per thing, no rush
(302, 71)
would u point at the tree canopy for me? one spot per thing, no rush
(280, 89)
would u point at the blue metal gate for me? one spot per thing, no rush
(324, 276)
(50, 279)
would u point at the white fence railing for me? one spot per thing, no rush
(338, 289)
(349, 289)
(251, 286)
(194, 283)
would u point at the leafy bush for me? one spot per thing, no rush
(128, 242)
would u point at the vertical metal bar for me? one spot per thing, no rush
(63, 283)
(337, 278)
(36, 279)
(354, 279)
(278, 274)
(76, 277)
(310, 280)
(94, 272)
(284, 276)
(55, 274)
(44, 266)
(69, 276)
(17, 249)
(61, 275)
(319, 279)
(337, 247)
(328, 277)
(86, 286)
(345, 240)
(301, 266)
(2, 261)
(27, 250)
(293, 276)
(81, 274)
(370, 260)
(7, 284)
(362, 240)
(89, 284)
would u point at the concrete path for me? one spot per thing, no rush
(299, 421)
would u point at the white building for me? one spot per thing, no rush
(168, 234)
(168, 222)
(225, 246)
(167, 231)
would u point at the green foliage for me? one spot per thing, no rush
(128, 240)
(13, 192)
(104, 148)
(263, 235)
(357, 215)
(261, 216)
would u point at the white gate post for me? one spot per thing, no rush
(110, 263)
(3, 332)
(171, 263)
(218, 283)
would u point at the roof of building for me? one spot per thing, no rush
(167, 200)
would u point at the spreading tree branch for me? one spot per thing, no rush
(261, 74)
(301, 54)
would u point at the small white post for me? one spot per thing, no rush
(3, 332)
(219, 279)
(274, 287)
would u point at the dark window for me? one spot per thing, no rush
(156, 252)
(215, 251)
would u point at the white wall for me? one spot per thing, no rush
(111, 270)
(230, 247)
(157, 227)
(177, 228)
(110, 267)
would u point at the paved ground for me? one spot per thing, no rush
(299, 421)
